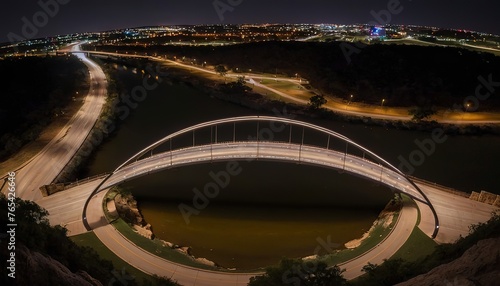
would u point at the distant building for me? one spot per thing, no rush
(377, 32)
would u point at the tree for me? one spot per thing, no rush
(317, 101)
(34, 232)
(238, 86)
(421, 112)
(391, 272)
(298, 272)
(221, 70)
(241, 80)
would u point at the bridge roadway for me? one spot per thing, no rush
(273, 151)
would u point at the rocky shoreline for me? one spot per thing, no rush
(384, 219)
(126, 206)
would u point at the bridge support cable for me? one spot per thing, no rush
(211, 144)
(258, 140)
(301, 144)
(381, 170)
(415, 192)
(345, 155)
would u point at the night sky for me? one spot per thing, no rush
(92, 15)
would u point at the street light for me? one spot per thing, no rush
(467, 107)
(348, 103)
(383, 100)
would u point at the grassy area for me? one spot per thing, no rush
(267, 93)
(294, 89)
(110, 195)
(89, 239)
(417, 246)
(157, 248)
(154, 246)
(376, 236)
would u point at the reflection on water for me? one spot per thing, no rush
(298, 207)
(269, 211)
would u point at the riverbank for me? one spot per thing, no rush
(384, 221)
(127, 209)
(131, 214)
(268, 103)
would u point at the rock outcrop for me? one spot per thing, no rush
(479, 265)
(384, 219)
(126, 206)
(34, 268)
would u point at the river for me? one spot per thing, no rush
(273, 210)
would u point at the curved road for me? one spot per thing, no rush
(360, 112)
(50, 161)
(185, 275)
(456, 213)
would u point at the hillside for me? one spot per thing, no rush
(479, 265)
(35, 90)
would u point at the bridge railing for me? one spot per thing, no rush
(332, 135)
(86, 180)
(441, 187)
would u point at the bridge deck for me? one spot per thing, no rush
(272, 151)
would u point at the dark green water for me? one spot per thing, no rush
(268, 211)
(275, 210)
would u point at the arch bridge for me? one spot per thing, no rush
(263, 138)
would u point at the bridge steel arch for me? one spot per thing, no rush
(417, 193)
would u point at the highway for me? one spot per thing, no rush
(66, 208)
(482, 48)
(455, 213)
(49, 162)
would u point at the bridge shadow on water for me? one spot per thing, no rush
(265, 183)
(268, 211)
